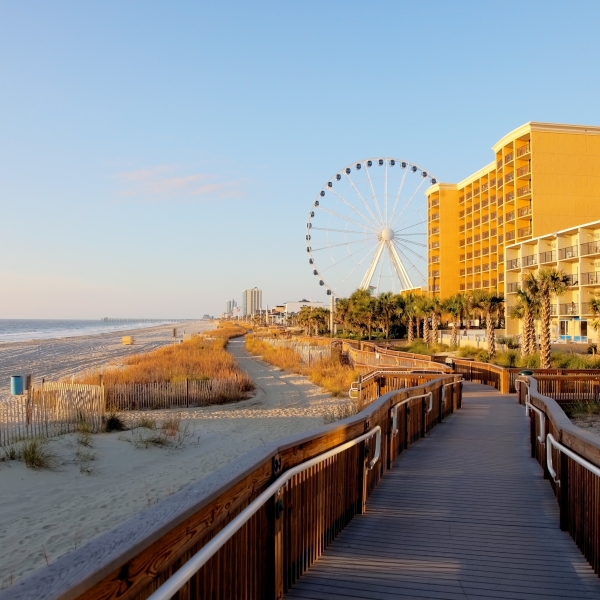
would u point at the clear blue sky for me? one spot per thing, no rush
(156, 158)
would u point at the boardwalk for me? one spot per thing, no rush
(464, 514)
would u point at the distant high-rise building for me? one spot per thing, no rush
(230, 306)
(251, 301)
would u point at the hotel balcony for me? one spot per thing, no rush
(435, 217)
(511, 288)
(510, 216)
(523, 191)
(509, 177)
(547, 257)
(510, 236)
(592, 278)
(530, 260)
(524, 211)
(434, 231)
(590, 248)
(524, 171)
(515, 263)
(569, 308)
(508, 158)
(435, 202)
(484, 187)
(572, 280)
(568, 253)
(524, 150)
(523, 232)
(510, 196)
(499, 165)
(434, 245)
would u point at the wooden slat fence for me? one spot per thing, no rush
(576, 488)
(178, 394)
(271, 551)
(307, 351)
(50, 410)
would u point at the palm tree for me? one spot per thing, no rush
(455, 306)
(408, 313)
(490, 306)
(527, 310)
(548, 282)
(435, 310)
(595, 310)
(387, 304)
(342, 310)
(363, 310)
(422, 312)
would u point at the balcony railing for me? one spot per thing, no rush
(469, 224)
(493, 232)
(469, 195)
(469, 270)
(510, 236)
(500, 220)
(461, 243)
(469, 286)
(590, 248)
(462, 272)
(485, 235)
(523, 150)
(477, 253)
(510, 216)
(477, 269)
(435, 203)
(484, 187)
(509, 177)
(524, 170)
(524, 232)
(553, 310)
(461, 228)
(500, 201)
(435, 217)
(508, 158)
(485, 267)
(484, 203)
(461, 214)
(476, 237)
(461, 199)
(434, 231)
(570, 252)
(514, 263)
(461, 287)
(434, 274)
(524, 211)
(501, 277)
(434, 245)
(499, 182)
(494, 265)
(434, 288)
(510, 196)
(511, 288)
(523, 191)
(546, 257)
(476, 222)
(493, 215)
(476, 191)
(469, 240)
(485, 251)
(469, 255)
(469, 210)
(572, 280)
(592, 278)
(499, 164)
(485, 218)
(568, 308)
(500, 257)
(494, 282)
(476, 207)
(501, 239)
(461, 257)
(485, 283)
(434, 259)
(530, 260)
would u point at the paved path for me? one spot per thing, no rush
(465, 513)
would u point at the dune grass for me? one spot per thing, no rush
(202, 357)
(327, 373)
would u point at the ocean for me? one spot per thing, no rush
(21, 330)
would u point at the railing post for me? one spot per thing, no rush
(505, 381)
(277, 518)
(564, 492)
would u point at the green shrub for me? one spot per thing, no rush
(113, 422)
(36, 455)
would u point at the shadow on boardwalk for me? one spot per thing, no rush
(465, 513)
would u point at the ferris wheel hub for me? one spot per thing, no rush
(387, 235)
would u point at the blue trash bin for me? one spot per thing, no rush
(16, 385)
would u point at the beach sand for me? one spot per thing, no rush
(56, 358)
(48, 513)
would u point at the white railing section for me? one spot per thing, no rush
(405, 401)
(541, 415)
(584, 463)
(190, 568)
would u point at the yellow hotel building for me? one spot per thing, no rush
(544, 178)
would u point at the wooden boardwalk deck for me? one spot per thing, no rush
(465, 513)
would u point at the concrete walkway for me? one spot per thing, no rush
(465, 513)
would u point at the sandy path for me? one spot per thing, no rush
(46, 514)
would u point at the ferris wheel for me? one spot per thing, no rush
(367, 228)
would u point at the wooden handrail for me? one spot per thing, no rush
(285, 538)
(575, 486)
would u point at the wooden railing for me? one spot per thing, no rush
(280, 542)
(575, 485)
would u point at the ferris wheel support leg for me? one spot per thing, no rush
(400, 270)
(371, 270)
(331, 311)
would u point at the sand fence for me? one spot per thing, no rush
(307, 352)
(55, 408)
(51, 409)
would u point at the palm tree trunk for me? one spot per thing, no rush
(455, 328)
(434, 329)
(426, 334)
(491, 335)
(545, 333)
(526, 341)
(411, 330)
